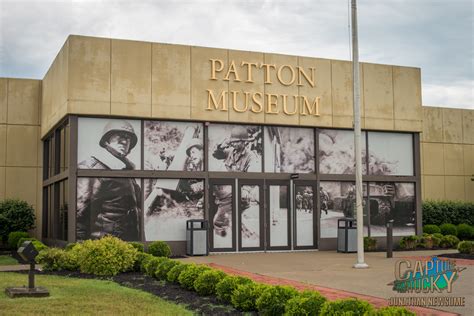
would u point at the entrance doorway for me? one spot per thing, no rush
(262, 215)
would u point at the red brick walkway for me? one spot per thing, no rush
(331, 294)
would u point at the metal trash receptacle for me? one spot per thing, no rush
(346, 235)
(196, 237)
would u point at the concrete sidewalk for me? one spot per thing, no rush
(334, 270)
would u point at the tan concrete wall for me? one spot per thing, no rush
(20, 143)
(447, 151)
(101, 76)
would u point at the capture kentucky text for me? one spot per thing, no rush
(427, 301)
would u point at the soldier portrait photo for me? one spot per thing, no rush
(250, 215)
(169, 203)
(236, 148)
(289, 150)
(176, 146)
(220, 214)
(108, 206)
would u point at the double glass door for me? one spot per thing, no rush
(258, 215)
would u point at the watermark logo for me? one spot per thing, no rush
(425, 276)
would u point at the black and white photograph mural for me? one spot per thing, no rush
(392, 201)
(109, 144)
(236, 148)
(304, 206)
(289, 149)
(221, 206)
(250, 216)
(278, 217)
(108, 206)
(176, 146)
(336, 152)
(337, 200)
(169, 203)
(390, 154)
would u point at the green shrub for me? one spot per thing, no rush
(38, 244)
(305, 303)
(106, 256)
(163, 268)
(190, 274)
(454, 212)
(152, 264)
(173, 274)
(394, 311)
(449, 241)
(272, 300)
(436, 240)
(137, 245)
(55, 259)
(227, 285)
(13, 238)
(353, 307)
(431, 229)
(138, 261)
(438, 235)
(465, 232)
(408, 242)
(15, 216)
(205, 283)
(144, 259)
(70, 246)
(448, 229)
(159, 249)
(245, 296)
(370, 244)
(466, 246)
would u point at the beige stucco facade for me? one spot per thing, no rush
(110, 77)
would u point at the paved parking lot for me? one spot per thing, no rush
(334, 270)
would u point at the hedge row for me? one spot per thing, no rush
(462, 231)
(451, 212)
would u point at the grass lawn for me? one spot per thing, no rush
(70, 296)
(7, 260)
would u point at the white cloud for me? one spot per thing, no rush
(435, 35)
(451, 94)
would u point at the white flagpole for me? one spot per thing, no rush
(357, 134)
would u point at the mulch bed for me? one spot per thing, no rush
(203, 305)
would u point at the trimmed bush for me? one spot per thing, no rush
(227, 285)
(438, 235)
(70, 246)
(305, 303)
(408, 242)
(144, 259)
(370, 244)
(436, 240)
(353, 307)
(159, 249)
(454, 212)
(273, 299)
(449, 241)
(465, 232)
(448, 229)
(205, 283)
(15, 216)
(55, 259)
(137, 245)
(14, 237)
(431, 229)
(394, 311)
(190, 274)
(106, 256)
(152, 264)
(173, 274)
(245, 296)
(38, 244)
(163, 268)
(466, 247)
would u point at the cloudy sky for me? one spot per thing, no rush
(435, 35)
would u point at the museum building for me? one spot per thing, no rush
(135, 138)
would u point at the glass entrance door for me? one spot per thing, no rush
(278, 215)
(222, 215)
(305, 215)
(251, 216)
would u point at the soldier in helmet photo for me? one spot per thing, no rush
(110, 206)
(239, 151)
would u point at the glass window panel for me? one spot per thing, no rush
(221, 204)
(174, 146)
(390, 153)
(109, 144)
(236, 148)
(336, 152)
(108, 206)
(392, 201)
(278, 221)
(169, 203)
(250, 216)
(304, 200)
(62, 151)
(289, 149)
(66, 147)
